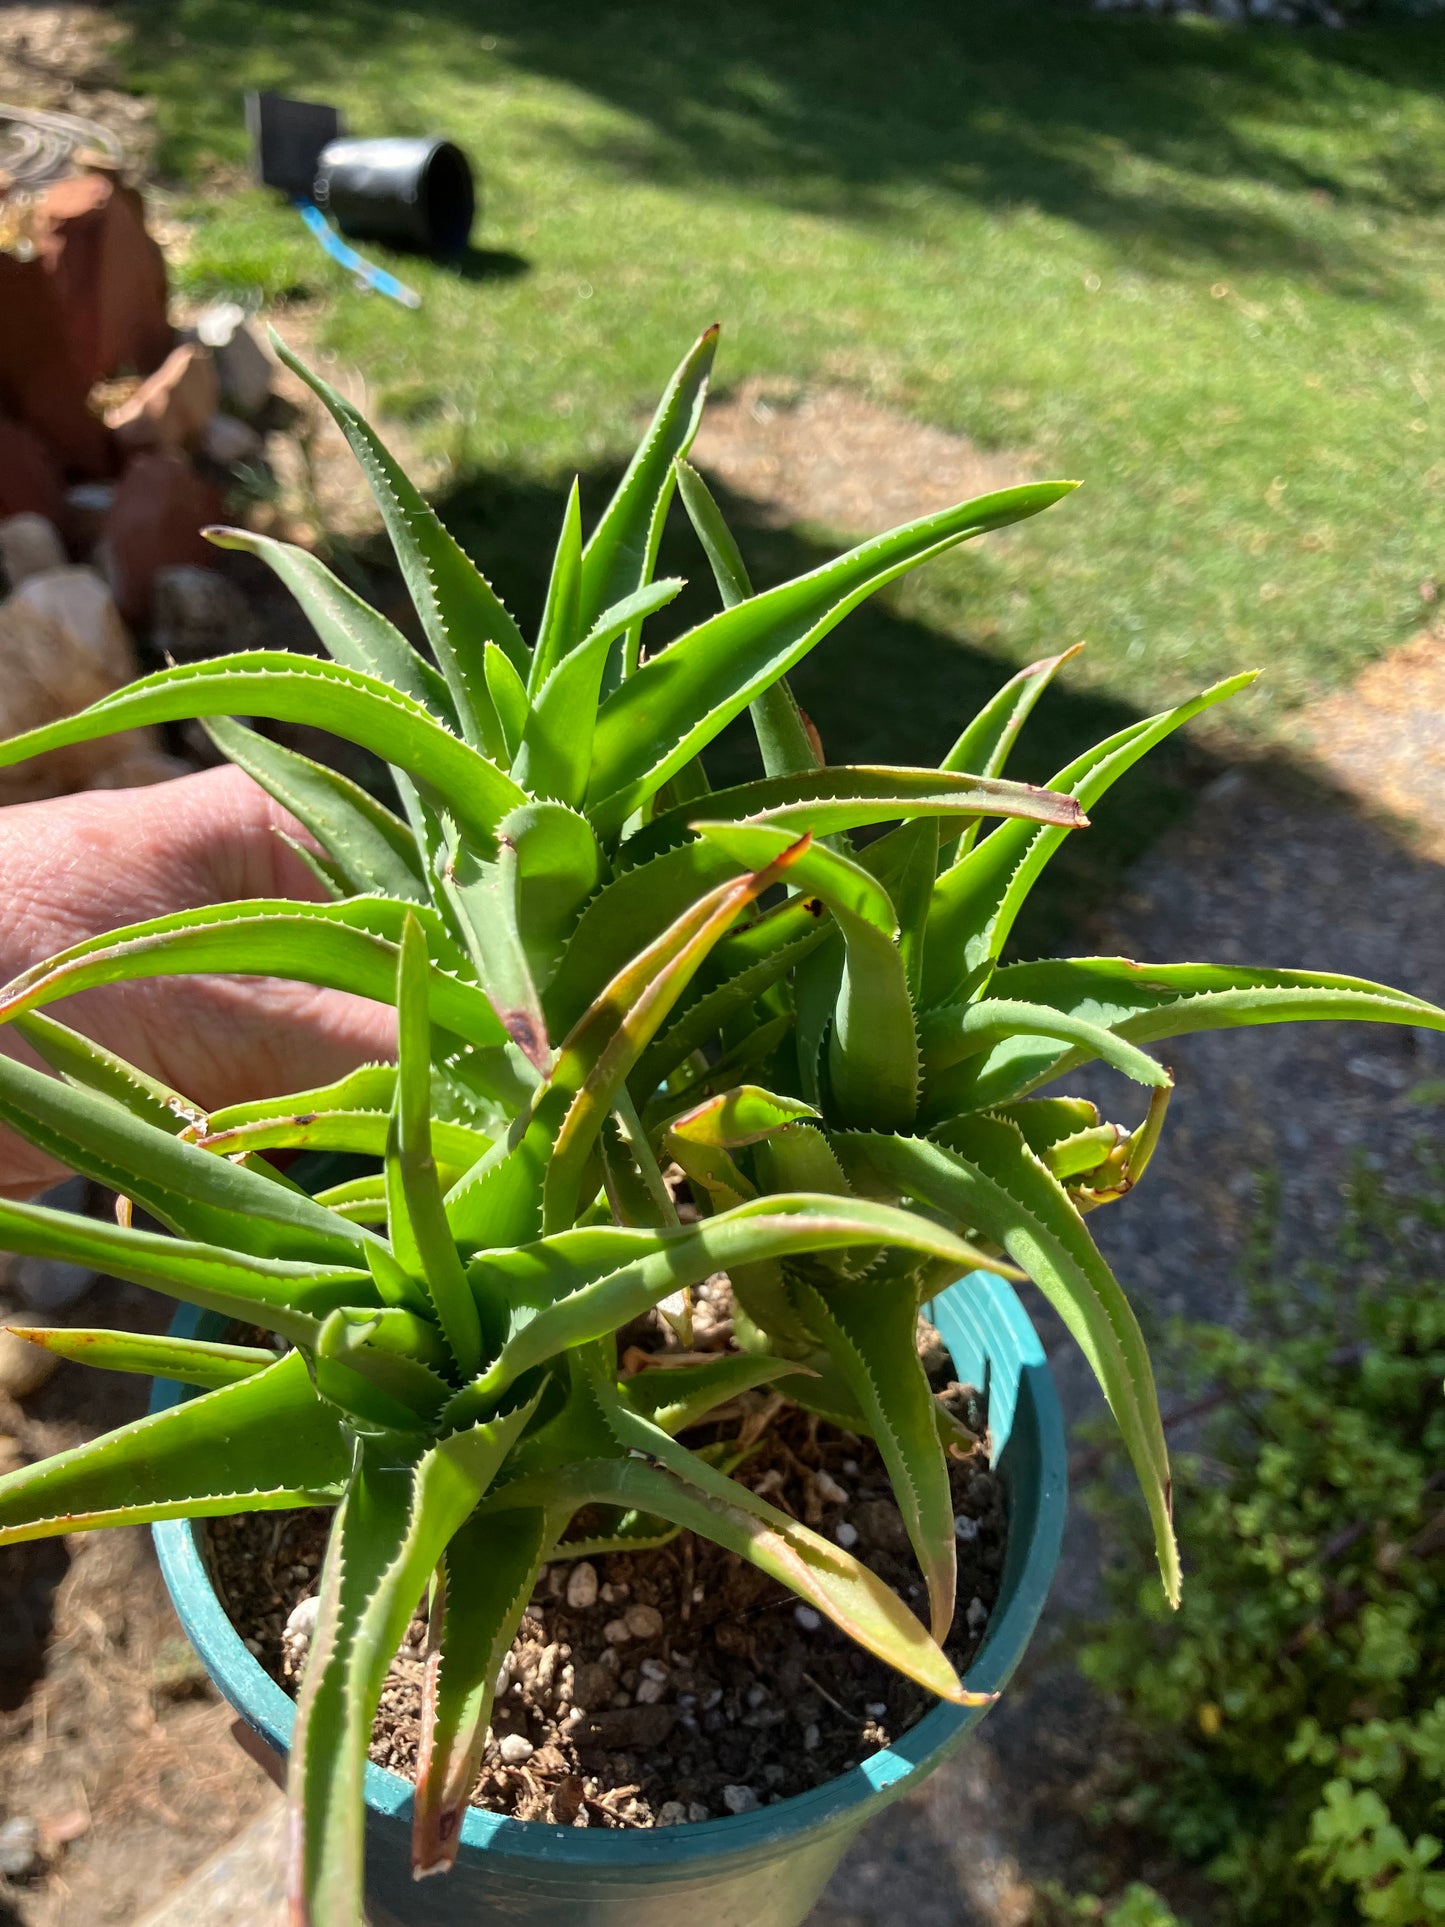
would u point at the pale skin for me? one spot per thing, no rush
(76, 866)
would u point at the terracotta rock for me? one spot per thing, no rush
(79, 601)
(41, 384)
(29, 544)
(29, 480)
(173, 407)
(108, 274)
(160, 507)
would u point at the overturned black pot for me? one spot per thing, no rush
(410, 193)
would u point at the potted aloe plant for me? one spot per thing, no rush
(614, 987)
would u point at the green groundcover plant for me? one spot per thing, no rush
(1287, 1729)
(601, 968)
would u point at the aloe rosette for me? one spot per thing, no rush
(603, 970)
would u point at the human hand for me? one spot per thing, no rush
(76, 866)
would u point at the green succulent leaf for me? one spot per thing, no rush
(353, 633)
(490, 1568)
(976, 902)
(298, 689)
(369, 848)
(555, 756)
(958, 1036)
(193, 1361)
(840, 797)
(987, 742)
(987, 1176)
(676, 703)
(677, 1396)
(264, 1444)
(870, 1329)
(621, 552)
(194, 1193)
(401, 1508)
(345, 946)
(743, 1115)
(1145, 1003)
(81, 1061)
(782, 734)
(420, 1235)
(459, 611)
(561, 629)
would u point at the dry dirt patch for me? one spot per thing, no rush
(1383, 739)
(59, 58)
(838, 461)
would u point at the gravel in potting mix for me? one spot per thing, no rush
(674, 1684)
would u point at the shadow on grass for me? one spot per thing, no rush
(1140, 130)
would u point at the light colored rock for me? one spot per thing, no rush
(198, 613)
(514, 1748)
(653, 1669)
(649, 1692)
(740, 1799)
(672, 1813)
(846, 1535)
(79, 599)
(19, 1847)
(582, 1586)
(977, 1615)
(24, 1367)
(227, 442)
(301, 1622)
(809, 1620)
(643, 1622)
(28, 544)
(243, 367)
(965, 1530)
(617, 1632)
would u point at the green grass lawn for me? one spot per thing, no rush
(1203, 269)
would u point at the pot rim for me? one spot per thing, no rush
(993, 1344)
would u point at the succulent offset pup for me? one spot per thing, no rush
(602, 969)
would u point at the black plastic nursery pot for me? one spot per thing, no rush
(760, 1869)
(414, 194)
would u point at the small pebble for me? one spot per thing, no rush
(977, 1615)
(537, 1613)
(253, 1646)
(302, 1621)
(672, 1813)
(643, 1622)
(698, 1595)
(807, 1618)
(846, 1535)
(850, 1468)
(514, 1748)
(828, 1489)
(811, 1737)
(757, 1695)
(965, 1529)
(19, 1847)
(617, 1632)
(875, 1709)
(650, 1691)
(740, 1799)
(712, 1699)
(697, 1812)
(653, 1669)
(504, 1674)
(582, 1586)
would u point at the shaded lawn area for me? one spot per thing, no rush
(1201, 268)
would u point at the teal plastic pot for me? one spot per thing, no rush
(762, 1869)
